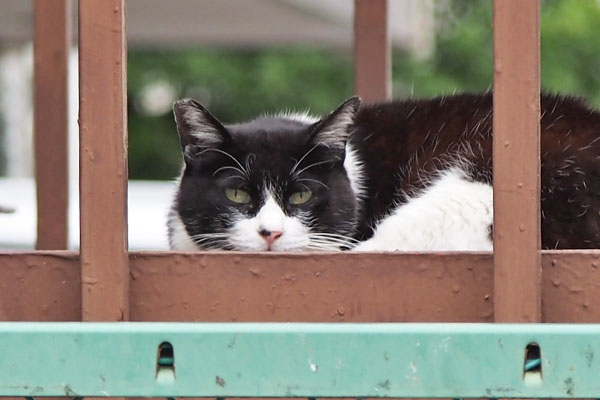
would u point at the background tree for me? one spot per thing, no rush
(239, 84)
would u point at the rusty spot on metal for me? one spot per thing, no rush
(569, 386)
(556, 282)
(586, 304)
(385, 385)
(254, 272)
(575, 289)
(289, 277)
(589, 355)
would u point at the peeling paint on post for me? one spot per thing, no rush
(103, 160)
(372, 50)
(517, 262)
(52, 38)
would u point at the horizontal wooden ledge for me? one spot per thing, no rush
(303, 360)
(269, 287)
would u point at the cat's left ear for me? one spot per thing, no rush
(334, 129)
(198, 128)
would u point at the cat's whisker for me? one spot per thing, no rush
(215, 246)
(334, 236)
(242, 169)
(296, 174)
(330, 234)
(205, 246)
(332, 246)
(208, 241)
(233, 177)
(302, 159)
(331, 241)
(320, 247)
(228, 167)
(305, 187)
(249, 160)
(210, 235)
(326, 247)
(312, 180)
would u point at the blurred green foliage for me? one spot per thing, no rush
(234, 85)
(239, 84)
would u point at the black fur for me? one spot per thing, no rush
(256, 156)
(402, 142)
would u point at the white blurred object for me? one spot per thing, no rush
(148, 204)
(16, 70)
(157, 97)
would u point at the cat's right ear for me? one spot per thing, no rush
(198, 129)
(333, 130)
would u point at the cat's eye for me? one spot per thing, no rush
(237, 195)
(300, 197)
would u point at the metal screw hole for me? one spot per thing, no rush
(532, 366)
(165, 362)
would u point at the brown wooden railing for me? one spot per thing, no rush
(105, 282)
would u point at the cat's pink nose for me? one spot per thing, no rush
(270, 236)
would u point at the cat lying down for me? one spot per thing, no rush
(411, 175)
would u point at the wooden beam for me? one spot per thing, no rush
(372, 50)
(40, 286)
(103, 160)
(340, 287)
(52, 38)
(517, 267)
(343, 287)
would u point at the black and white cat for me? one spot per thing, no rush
(410, 175)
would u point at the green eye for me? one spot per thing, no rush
(237, 195)
(300, 197)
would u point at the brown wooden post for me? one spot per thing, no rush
(372, 50)
(52, 38)
(517, 262)
(103, 160)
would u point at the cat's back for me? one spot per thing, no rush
(427, 135)
(403, 144)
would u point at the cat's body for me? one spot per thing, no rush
(403, 175)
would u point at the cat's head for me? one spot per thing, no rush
(275, 183)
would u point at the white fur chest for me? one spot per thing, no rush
(452, 214)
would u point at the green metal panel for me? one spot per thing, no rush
(309, 360)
